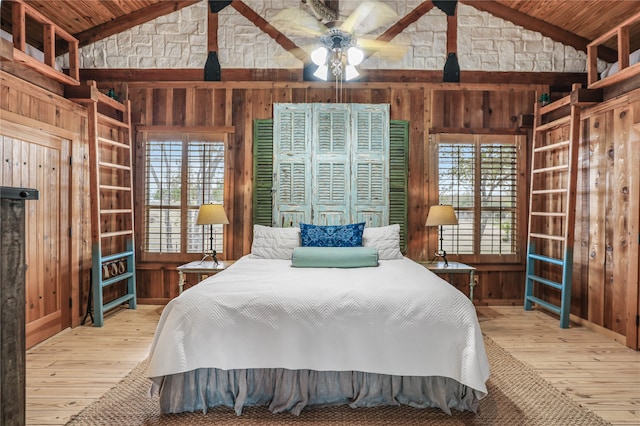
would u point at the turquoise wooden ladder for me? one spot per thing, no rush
(552, 202)
(112, 222)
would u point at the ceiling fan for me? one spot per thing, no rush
(339, 46)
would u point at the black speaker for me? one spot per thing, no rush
(447, 6)
(451, 69)
(212, 70)
(216, 5)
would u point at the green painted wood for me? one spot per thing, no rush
(331, 163)
(100, 281)
(399, 176)
(292, 164)
(370, 164)
(262, 171)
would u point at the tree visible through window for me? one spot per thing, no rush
(478, 175)
(181, 173)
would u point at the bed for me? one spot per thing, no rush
(265, 332)
(624, 37)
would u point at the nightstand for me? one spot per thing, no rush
(201, 268)
(453, 268)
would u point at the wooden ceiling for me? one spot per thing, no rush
(573, 22)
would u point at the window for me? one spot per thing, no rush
(480, 176)
(182, 172)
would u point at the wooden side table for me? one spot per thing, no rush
(453, 268)
(200, 268)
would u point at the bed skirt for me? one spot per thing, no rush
(292, 390)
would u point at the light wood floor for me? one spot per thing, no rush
(72, 369)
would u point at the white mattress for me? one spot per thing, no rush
(397, 319)
(613, 68)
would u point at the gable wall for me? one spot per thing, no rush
(179, 40)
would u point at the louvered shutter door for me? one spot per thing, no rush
(331, 126)
(262, 172)
(369, 164)
(398, 177)
(292, 179)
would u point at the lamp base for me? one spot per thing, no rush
(213, 257)
(443, 255)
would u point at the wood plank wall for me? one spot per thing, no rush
(605, 269)
(608, 198)
(608, 195)
(39, 131)
(437, 107)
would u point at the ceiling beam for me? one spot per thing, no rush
(270, 30)
(537, 25)
(333, 5)
(130, 20)
(406, 20)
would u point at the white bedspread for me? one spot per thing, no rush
(397, 318)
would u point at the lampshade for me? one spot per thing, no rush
(319, 56)
(355, 56)
(211, 214)
(351, 72)
(441, 215)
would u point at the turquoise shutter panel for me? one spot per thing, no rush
(399, 177)
(292, 178)
(262, 172)
(331, 132)
(369, 165)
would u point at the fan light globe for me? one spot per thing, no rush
(355, 56)
(319, 56)
(351, 72)
(322, 72)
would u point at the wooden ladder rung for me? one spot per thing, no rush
(555, 123)
(552, 146)
(549, 214)
(116, 233)
(561, 167)
(113, 166)
(114, 143)
(545, 304)
(117, 278)
(547, 237)
(545, 281)
(549, 191)
(115, 188)
(111, 102)
(118, 301)
(555, 105)
(547, 259)
(116, 256)
(110, 120)
(115, 211)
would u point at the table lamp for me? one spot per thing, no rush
(211, 214)
(438, 216)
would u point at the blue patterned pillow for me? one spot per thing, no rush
(332, 235)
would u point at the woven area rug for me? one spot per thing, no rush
(517, 396)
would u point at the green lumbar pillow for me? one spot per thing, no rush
(334, 257)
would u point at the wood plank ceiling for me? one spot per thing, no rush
(574, 23)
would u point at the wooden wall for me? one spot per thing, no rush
(234, 106)
(608, 215)
(39, 133)
(606, 263)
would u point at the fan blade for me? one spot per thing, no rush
(368, 17)
(298, 22)
(390, 51)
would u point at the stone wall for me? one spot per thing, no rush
(179, 40)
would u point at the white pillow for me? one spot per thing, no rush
(386, 239)
(274, 243)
